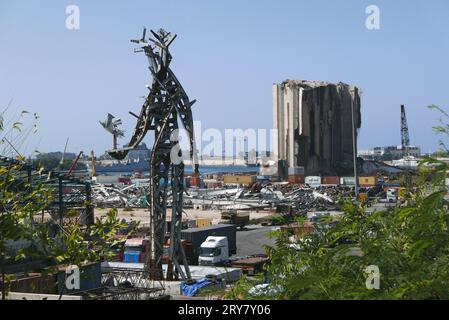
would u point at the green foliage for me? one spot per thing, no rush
(51, 161)
(240, 291)
(279, 220)
(78, 244)
(20, 200)
(409, 245)
(443, 127)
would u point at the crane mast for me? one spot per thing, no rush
(165, 104)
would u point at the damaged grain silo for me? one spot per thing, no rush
(314, 123)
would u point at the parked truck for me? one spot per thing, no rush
(214, 252)
(391, 196)
(136, 249)
(195, 237)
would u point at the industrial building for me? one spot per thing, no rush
(317, 123)
(389, 153)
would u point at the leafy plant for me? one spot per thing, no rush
(409, 245)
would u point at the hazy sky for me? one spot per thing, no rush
(227, 56)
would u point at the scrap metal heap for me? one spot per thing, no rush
(166, 102)
(300, 198)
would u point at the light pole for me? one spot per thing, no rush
(354, 152)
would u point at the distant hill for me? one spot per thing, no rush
(51, 161)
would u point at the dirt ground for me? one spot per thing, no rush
(143, 215)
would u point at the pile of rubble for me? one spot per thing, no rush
(117, 196)
(269, 196)
(300, 198)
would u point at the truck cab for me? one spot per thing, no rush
(391, 196)
(214, 251)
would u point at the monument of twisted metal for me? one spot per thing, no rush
(165, 104)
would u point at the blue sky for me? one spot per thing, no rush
(227, 56)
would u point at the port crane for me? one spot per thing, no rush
(74, 164)
(165, 104)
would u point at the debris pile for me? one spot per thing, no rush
(299, 198)
(116, 196)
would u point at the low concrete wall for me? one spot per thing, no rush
(37, 296)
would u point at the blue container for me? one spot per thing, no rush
(131, 256)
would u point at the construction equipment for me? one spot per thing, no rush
(74, 164)
(61, 163)
(240, 219)
(92, 159)
(166, 102)
(363, 198)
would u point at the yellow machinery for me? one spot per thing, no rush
(363, 198)
(92, 155)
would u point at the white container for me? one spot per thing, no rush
(347, 181)
(313, 180)
(106, 179)
(296, 171)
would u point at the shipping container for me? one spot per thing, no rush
(391, 185)
(331, 180)
(203, 222)
(296, 171)
(296, 179)
(196, 236)
(124, 180)
(187, 182)
(367, 181)
(243, 179)
(313, 180)
(347, 181)
(106, 179)
(140, 183)
(194, 181)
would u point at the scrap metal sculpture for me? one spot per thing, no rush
(166, 102)
(112, 126)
